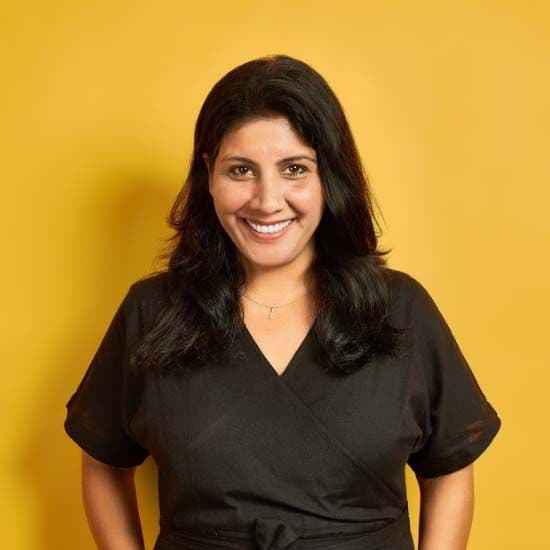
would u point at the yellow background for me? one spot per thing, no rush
(449, 103)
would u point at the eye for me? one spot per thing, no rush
(303, 169)
(242, 170)
(236, 170)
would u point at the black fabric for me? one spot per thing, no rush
(251, 459)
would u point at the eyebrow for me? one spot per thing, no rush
(282, 161)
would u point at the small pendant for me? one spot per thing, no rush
(270, 313)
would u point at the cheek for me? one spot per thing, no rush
(318, 199)
(308, 200)
(228, 199)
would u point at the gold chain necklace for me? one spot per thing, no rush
(271, 308)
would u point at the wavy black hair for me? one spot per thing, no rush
(348, 276)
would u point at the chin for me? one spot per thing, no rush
(267, 262)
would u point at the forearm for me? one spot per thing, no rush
(110, 503)
(446, 510)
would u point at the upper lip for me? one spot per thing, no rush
(267, 223)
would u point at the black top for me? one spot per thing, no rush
(250, 459)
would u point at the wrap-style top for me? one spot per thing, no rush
(250, 459)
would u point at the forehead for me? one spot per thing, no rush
(264, 136)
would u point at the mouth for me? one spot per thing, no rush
(267, 232)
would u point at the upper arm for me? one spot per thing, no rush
(463, 475)
(89, 462)
(99, 412)
(457, 421)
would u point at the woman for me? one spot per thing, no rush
(279, 373)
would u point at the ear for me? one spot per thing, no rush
(206, 162)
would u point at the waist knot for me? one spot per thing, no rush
(275, 534)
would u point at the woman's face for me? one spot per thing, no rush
(265, 174)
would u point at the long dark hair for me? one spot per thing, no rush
(349, 278)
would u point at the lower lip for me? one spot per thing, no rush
(266, 236)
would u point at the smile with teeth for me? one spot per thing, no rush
(275, 228)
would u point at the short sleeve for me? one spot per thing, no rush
(459, 423)
(99, 411)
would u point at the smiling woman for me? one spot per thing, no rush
(280, 374)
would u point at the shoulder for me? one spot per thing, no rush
(153, 286)
(416, 307)
(147, 296)
(412, 304)
(405, 290)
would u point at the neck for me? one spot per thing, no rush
(277, 284)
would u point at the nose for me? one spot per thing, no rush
(268, 193)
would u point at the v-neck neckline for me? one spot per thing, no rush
(265, 362)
